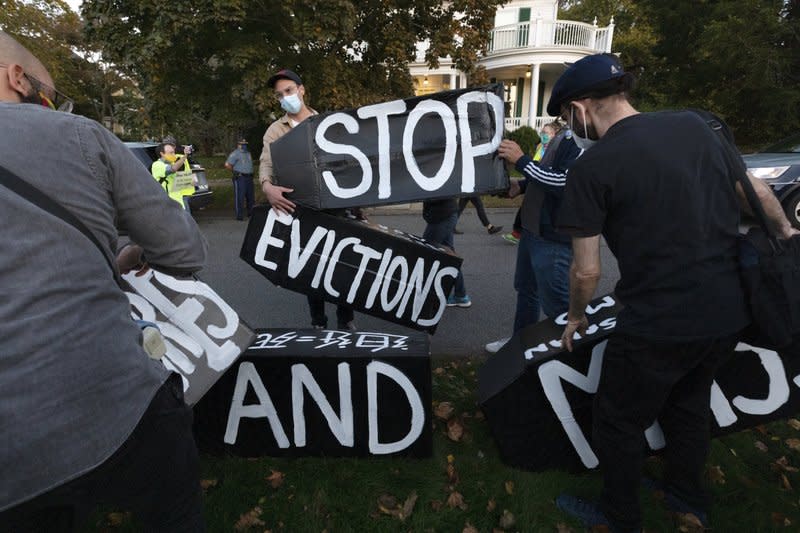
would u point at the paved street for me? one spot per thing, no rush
(488, 270)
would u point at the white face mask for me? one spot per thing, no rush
(582, 142)
(291, 104)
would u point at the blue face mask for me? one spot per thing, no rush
(545, 138)
(243, 147)
(291, 104)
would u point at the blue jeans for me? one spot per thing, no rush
(541, 279)
(442, 233)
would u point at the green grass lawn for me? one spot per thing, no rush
(465, 483)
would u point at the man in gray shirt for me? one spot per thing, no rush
(240, 162)
(85, 416)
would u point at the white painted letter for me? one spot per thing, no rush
(351, 125)
(381, 112)
(417, 409)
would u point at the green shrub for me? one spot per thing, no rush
(526, 137)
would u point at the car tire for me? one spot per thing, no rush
(791, 206)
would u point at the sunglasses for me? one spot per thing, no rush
(59, 101)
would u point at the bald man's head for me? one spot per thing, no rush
(15, 62)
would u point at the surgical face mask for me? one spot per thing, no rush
(581, 141)
(291, 104)
(545, 138)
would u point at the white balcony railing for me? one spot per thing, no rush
(552, 34)
(512, 123)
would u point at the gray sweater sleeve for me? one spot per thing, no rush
(167, 233)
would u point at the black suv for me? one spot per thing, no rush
(147, 153)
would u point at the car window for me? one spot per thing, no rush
(790, 145)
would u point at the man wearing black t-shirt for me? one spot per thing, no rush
(672, 223)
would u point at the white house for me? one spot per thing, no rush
(528, 50)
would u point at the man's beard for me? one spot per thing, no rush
(32, 98)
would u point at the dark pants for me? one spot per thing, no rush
(442, 233)
(243, 193)
(478, 203)
(155, 474)
(316, 305)
(643, 380)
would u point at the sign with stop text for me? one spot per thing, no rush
(434, 146)
(537, 397)
(374, 269)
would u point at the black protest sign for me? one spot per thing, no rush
(376, 270)
(202, 333)
(434, 146)
(322, 392)
(538, 398)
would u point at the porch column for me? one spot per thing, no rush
(452, 81)
(534, 98)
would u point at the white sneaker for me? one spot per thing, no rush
(153, 342)
(494, 347)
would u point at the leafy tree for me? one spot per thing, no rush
(53, 33)
(737, 58)
(211, 59)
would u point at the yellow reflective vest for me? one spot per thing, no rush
(176, 184)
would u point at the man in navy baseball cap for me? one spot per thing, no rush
(283, 74)
(583, 76)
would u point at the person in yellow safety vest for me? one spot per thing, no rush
(174, 173)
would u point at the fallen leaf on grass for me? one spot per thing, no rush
(436, 505)
(275, 478)
(782, 465)
(794, 423)
(760, 446)
(206, 484)
(761, 429)
(451, 458)
(444, 410)
(793, 444)
(452, 475)
(456, 500)
(469, 528)
(563, 528)
(249, 519)
(408, 505)
(491, 505)
(455, 431)
(716, 475)
(479, 415)
(117, 519)
(688, 523)
(507, 519)
(388, 504)
(438, 371)
(509, 485)
(780, 520)
(785, 482)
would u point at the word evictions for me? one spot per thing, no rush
(416, 282)
(553, 373)
(341, 424)
(187, 341)
(457, 134)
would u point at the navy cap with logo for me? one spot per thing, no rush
(580, 77)
(283, 74)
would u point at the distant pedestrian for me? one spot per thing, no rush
(240, 162)
(478, 203)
